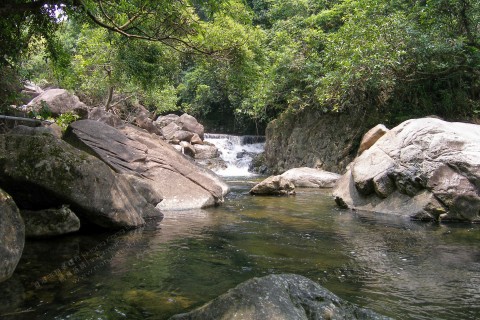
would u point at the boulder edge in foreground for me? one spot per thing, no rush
(280, 297)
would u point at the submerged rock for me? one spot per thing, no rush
(12, 236)
(426, 169)
(130, 150)
(311, 178)
(50, 222)
(279, 297)
(274, 186)
(43, 172)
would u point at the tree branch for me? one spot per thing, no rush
(10, 8)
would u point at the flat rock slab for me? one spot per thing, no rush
(279, 297)
(131, 150)
(425, 169)
(311, 178)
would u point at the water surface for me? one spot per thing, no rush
(403, 269)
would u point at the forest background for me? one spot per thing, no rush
(236, 65)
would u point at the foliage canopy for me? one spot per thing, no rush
(239, 63)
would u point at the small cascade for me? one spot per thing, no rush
(237, 152)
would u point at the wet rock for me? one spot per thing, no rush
(311, 178)
(12, 236)
(275, 186)
(182, 183)
(50, 222)
(280, 297)
(426, 169)
(42, 172)
(187, 149)
(257, 165)
(204, 151)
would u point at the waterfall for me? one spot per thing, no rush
(237, 152)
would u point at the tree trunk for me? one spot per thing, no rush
(109, 99)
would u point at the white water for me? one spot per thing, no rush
(237, 152)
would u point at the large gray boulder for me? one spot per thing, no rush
(311, 178)
(133, 151)
(274, 186)
(59, 101)
(42, 172)
(12, 236)
(189, 123)
(279, 297)
(426, 169)
(50, 222)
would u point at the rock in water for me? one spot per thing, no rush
(274, 186)
(131, 150)
(50, 222)
(311, 178)
(426, 169)
(12, 236)
(279, 297)
(42, 172)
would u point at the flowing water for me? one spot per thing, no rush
(399, 268)
(237, 152)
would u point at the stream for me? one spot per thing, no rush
(397, 267)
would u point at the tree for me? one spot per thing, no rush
(173, 23)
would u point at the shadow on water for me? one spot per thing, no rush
(403, 269)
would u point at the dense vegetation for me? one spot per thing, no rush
(241, 63)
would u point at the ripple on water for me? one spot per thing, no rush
(404, 269)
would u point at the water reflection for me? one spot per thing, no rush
(403, 269)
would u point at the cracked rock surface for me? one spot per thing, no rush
(427, 169)
(154, 166)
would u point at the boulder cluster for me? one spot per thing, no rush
(186, 135)
(101, 172)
